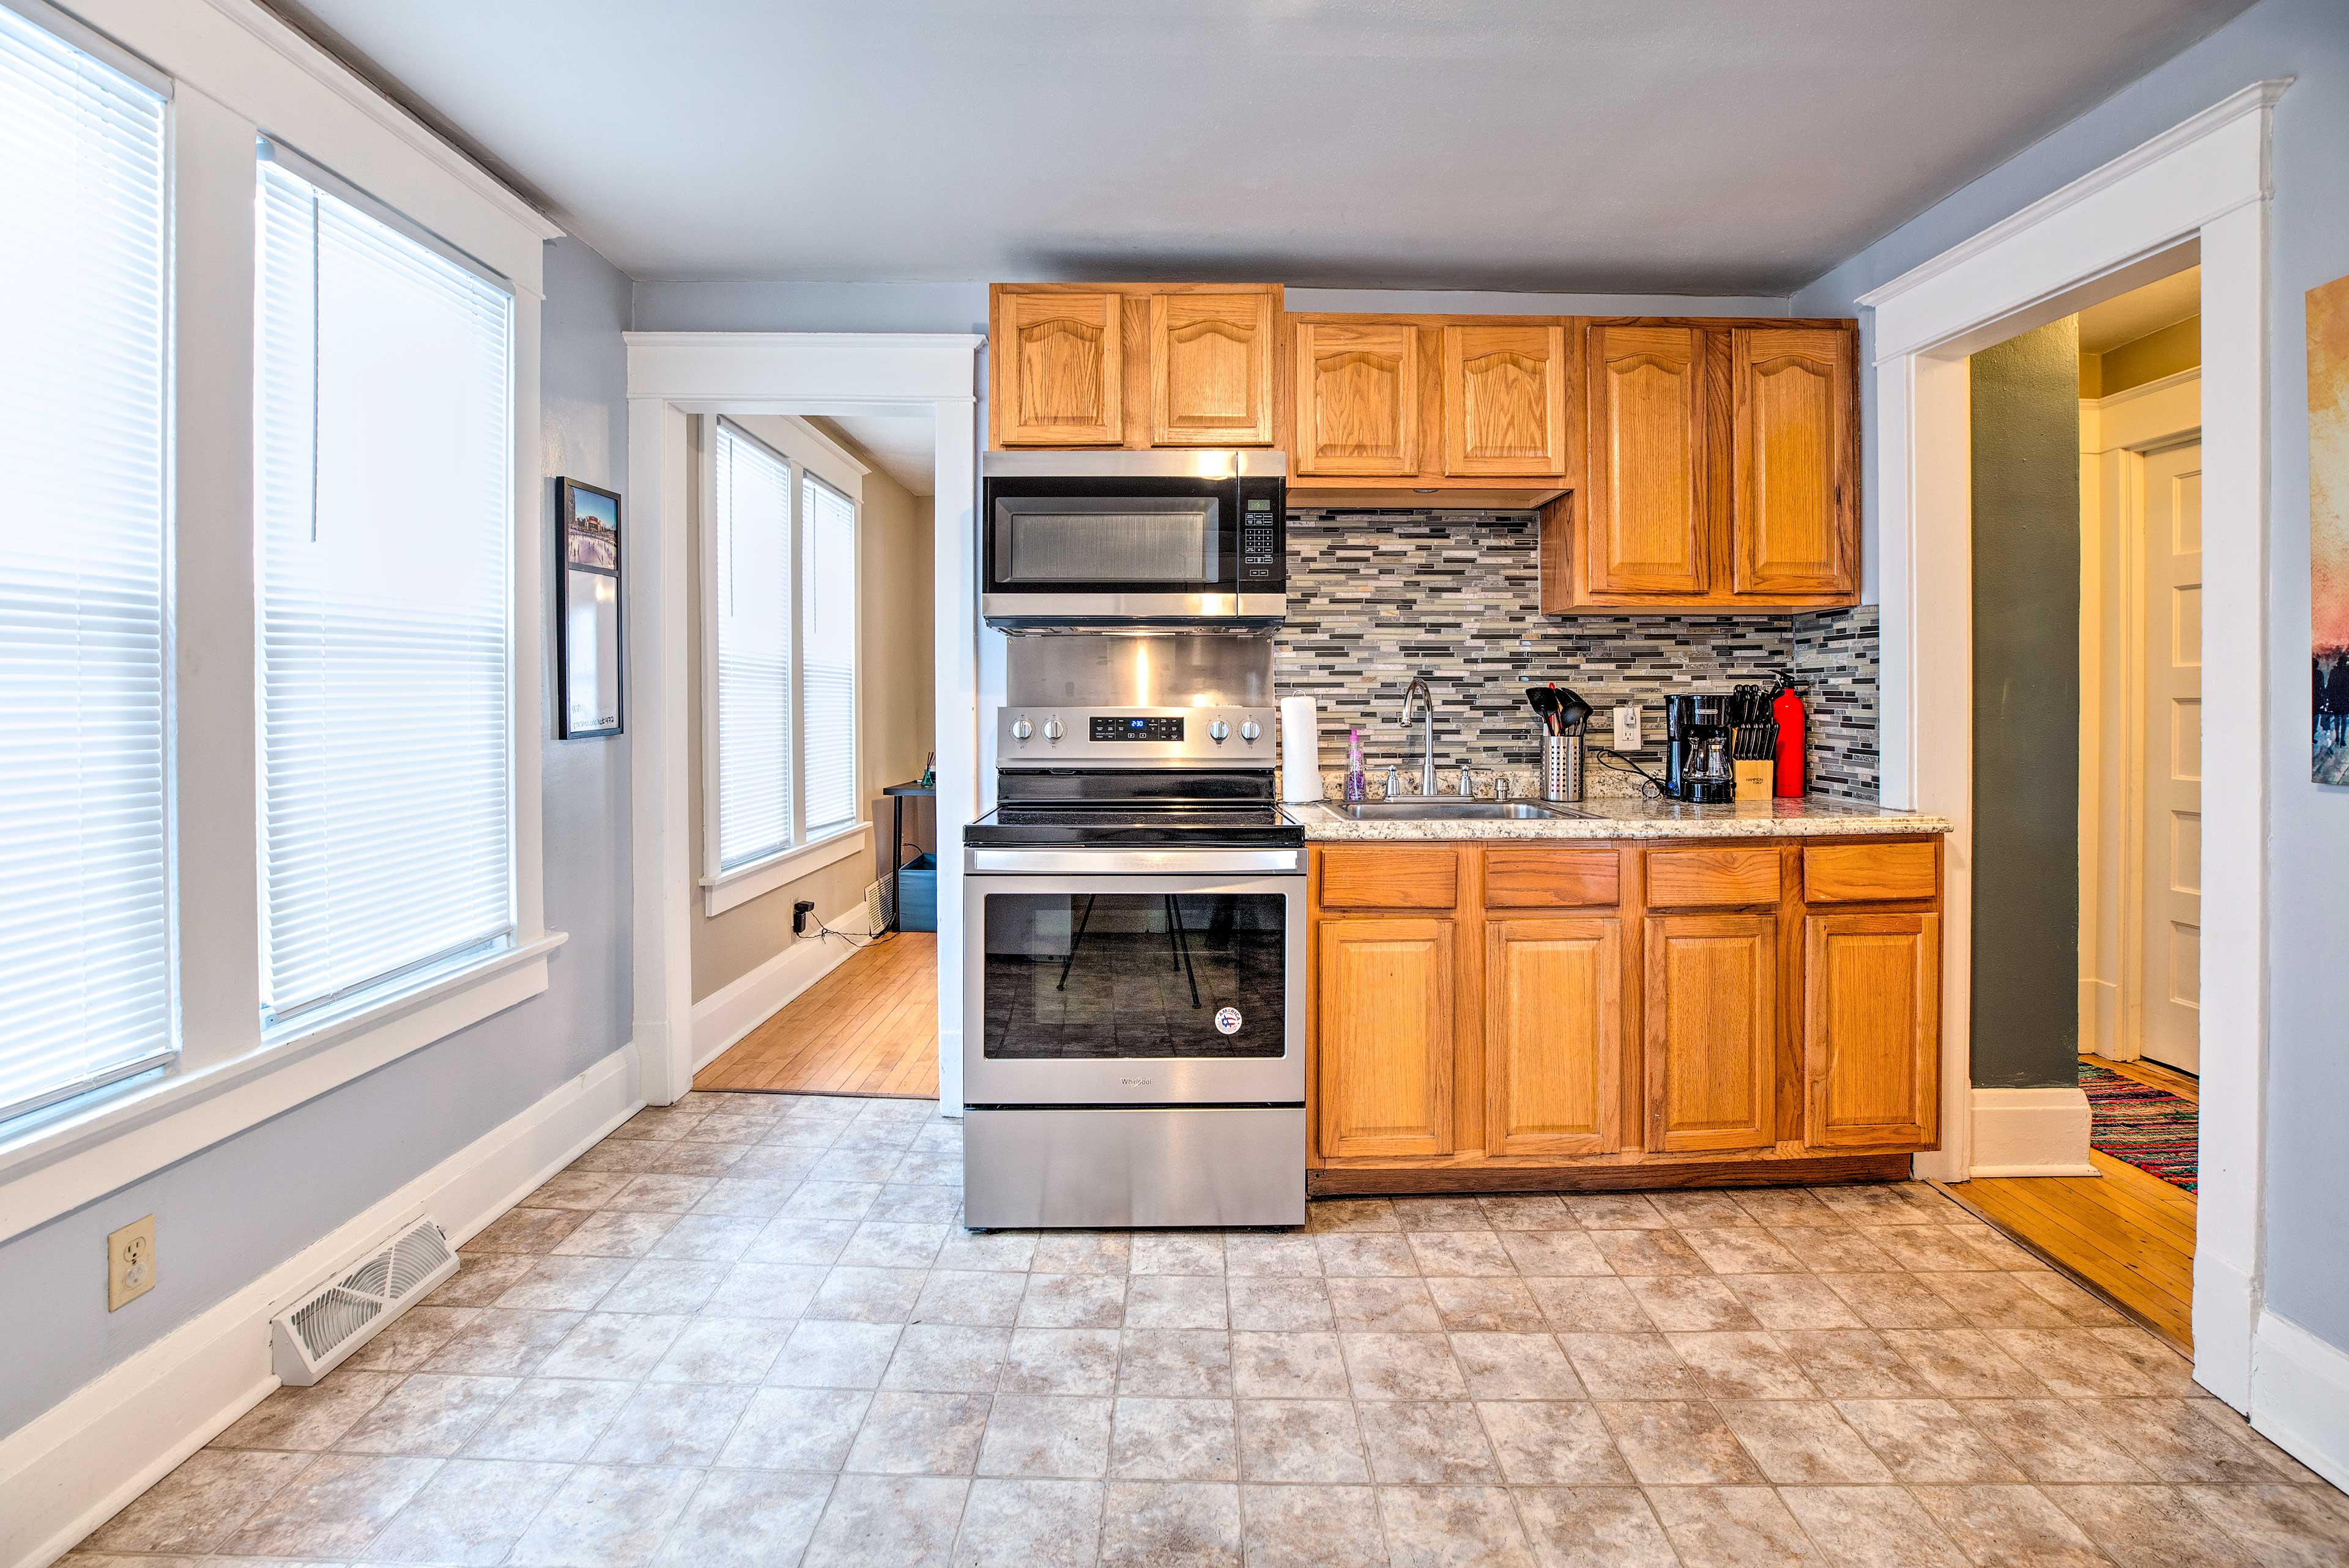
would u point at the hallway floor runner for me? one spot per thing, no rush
(2151, 1129)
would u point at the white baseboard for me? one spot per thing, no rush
(74, 1466)
(2300, 1396)
(2226, 1321)
(2031, 1132)
(733, 1010)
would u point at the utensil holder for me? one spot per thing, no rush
(1561, 766)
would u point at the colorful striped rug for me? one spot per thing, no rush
(2151, 1129)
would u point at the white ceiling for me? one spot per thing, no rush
(1695, 146)
(2126, 318)
(900, 445)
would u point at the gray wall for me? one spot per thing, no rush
(2026, 485)
(2308, 1072)
(962, 307)
(227, 1215)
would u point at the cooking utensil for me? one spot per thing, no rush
(1571, 710)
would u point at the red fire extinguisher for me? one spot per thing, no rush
(1786, 712)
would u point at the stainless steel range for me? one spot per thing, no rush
(1134, 929)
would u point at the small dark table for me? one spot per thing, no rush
(898, 794)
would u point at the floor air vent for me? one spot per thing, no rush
(319, 1330)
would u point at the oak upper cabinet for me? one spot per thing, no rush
(1871, 1045)
(1794, 520)
(1211, 367)
(1384, 1030)
(1711, 1021)
(1647, 524)
(1553, 1030)
(1357, 398)
(1059, 375)
(1505, 401)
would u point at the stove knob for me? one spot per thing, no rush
(1218, 731)
(1052, 729)
(1249, 731)
(1020, 729)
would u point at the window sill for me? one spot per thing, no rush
(120, 1138)
(729, 889)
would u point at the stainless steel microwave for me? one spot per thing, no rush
(1112, 539)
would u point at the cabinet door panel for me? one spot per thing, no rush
(1386, 1035)
(1357, 398)
(1063, 379)
(1505, 401)
(1793, 526)
(1554, 1033)
(1871, 1029)
(1710, 1018)
(1648, 525)
(1211, 369)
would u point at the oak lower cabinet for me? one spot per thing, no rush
(1871, 1028)
(1712, 1032)
(1506, 1016)
(1554, 1033)
(1384, 1004)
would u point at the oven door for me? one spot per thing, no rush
(1090, 981)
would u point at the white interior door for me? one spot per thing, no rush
(2170, 1012)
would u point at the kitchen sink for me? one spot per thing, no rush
(1451, 810)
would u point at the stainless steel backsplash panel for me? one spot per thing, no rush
(1151, 669)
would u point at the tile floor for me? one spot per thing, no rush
(748, 1330)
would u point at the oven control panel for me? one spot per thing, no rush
(1109, 727)
(1043, 736)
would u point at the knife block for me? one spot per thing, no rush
(1754, 778)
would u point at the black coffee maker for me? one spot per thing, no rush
(1696, 750)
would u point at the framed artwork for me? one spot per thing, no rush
(2328, 529)
(586, 611)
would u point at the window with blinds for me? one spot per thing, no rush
(827, 646)
(752, 614)
(784, 615)
(386, 516)
(86, 957)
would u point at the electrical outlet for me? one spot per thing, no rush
(802, 917)
(1626, 727)
(130, 1262)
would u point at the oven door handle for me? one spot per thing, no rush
(1133, 862)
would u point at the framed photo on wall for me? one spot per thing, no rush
(586, 611)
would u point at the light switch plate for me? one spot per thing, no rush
(130, 1262)
(1626, 727)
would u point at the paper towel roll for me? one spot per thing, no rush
(1301, 749)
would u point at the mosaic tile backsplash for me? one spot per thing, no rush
(1375, 598)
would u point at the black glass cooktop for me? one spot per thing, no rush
(1129, 826)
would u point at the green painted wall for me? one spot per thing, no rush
(2026, 922)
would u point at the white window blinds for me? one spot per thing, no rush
(827, 646)
(752, 616)
(386, 505)
(86, 963)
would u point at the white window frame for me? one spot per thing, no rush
(803, 449)
(238, 73)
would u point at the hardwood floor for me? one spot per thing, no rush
(2153, 1075)
(2127, 1233)
(869, 1027)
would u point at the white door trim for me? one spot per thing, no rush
(673, 375)
(2200, 191)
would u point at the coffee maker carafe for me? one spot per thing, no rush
(1696, 750)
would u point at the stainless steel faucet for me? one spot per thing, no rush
(1417, 692)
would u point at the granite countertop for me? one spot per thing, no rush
(1632, 817)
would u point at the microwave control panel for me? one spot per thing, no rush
(1261, 545)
